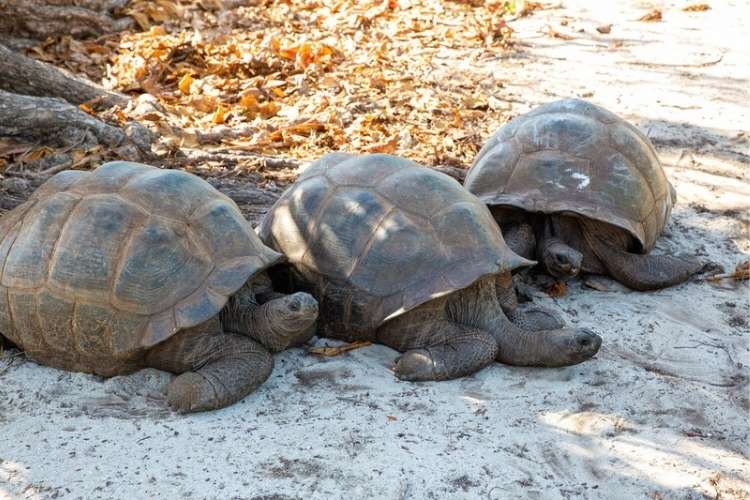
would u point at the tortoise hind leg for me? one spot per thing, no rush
(644, 272)
(458, 350)
(215, 368)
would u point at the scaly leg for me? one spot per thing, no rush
(215, 368)
(456, 351)
(636, 271)
(528, 317)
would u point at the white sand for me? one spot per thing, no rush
(661, 412)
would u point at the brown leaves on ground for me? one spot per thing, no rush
(696, 7)
(299, 78)
(530, 7)
(651, 17)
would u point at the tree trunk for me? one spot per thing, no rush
(39, 102)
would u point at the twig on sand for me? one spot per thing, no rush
(740, 273)
(336, 351)
(672, 65)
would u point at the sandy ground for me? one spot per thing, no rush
(661, 412)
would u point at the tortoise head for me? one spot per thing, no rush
(561, 260)
(294, 313)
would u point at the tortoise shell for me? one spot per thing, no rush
(571, 156)
(106, 263)
(375, 236)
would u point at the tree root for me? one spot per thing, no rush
(23, 75)
(56, 122)
(39, 19)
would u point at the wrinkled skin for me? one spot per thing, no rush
(569, 246)
(460, 333)
(226, 358)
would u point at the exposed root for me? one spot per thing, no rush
(55, 122)
(23, 75)
(39, 19)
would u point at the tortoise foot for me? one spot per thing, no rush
(191, 392)
(415, 365)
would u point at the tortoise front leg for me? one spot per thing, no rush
(457, 351)
(641, 272)
(276, 324)
(215, 368)
(553, 347)
(529, 317)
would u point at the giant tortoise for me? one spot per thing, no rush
(402, 255)
(131, 266)
(581, 190)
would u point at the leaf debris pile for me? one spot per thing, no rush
(225, 85)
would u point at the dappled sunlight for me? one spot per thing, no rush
(243, 93)
(15, 482)
(476, 403)
(661, 456)
(308, 77)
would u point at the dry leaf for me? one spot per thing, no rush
(391, 418)
(556, 34)
(219, 115)
(697, 7)
(37, 153)
(249, 102)
(388, 147)
(604, 29)
(185, 84)
(204, 104)
(269, 109)
(529, 7)
(336, 351)
(86, 108)
(651, 17)
(557, 289)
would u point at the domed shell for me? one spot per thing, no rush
(573, 156)
(119, 259)
(378, 235)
